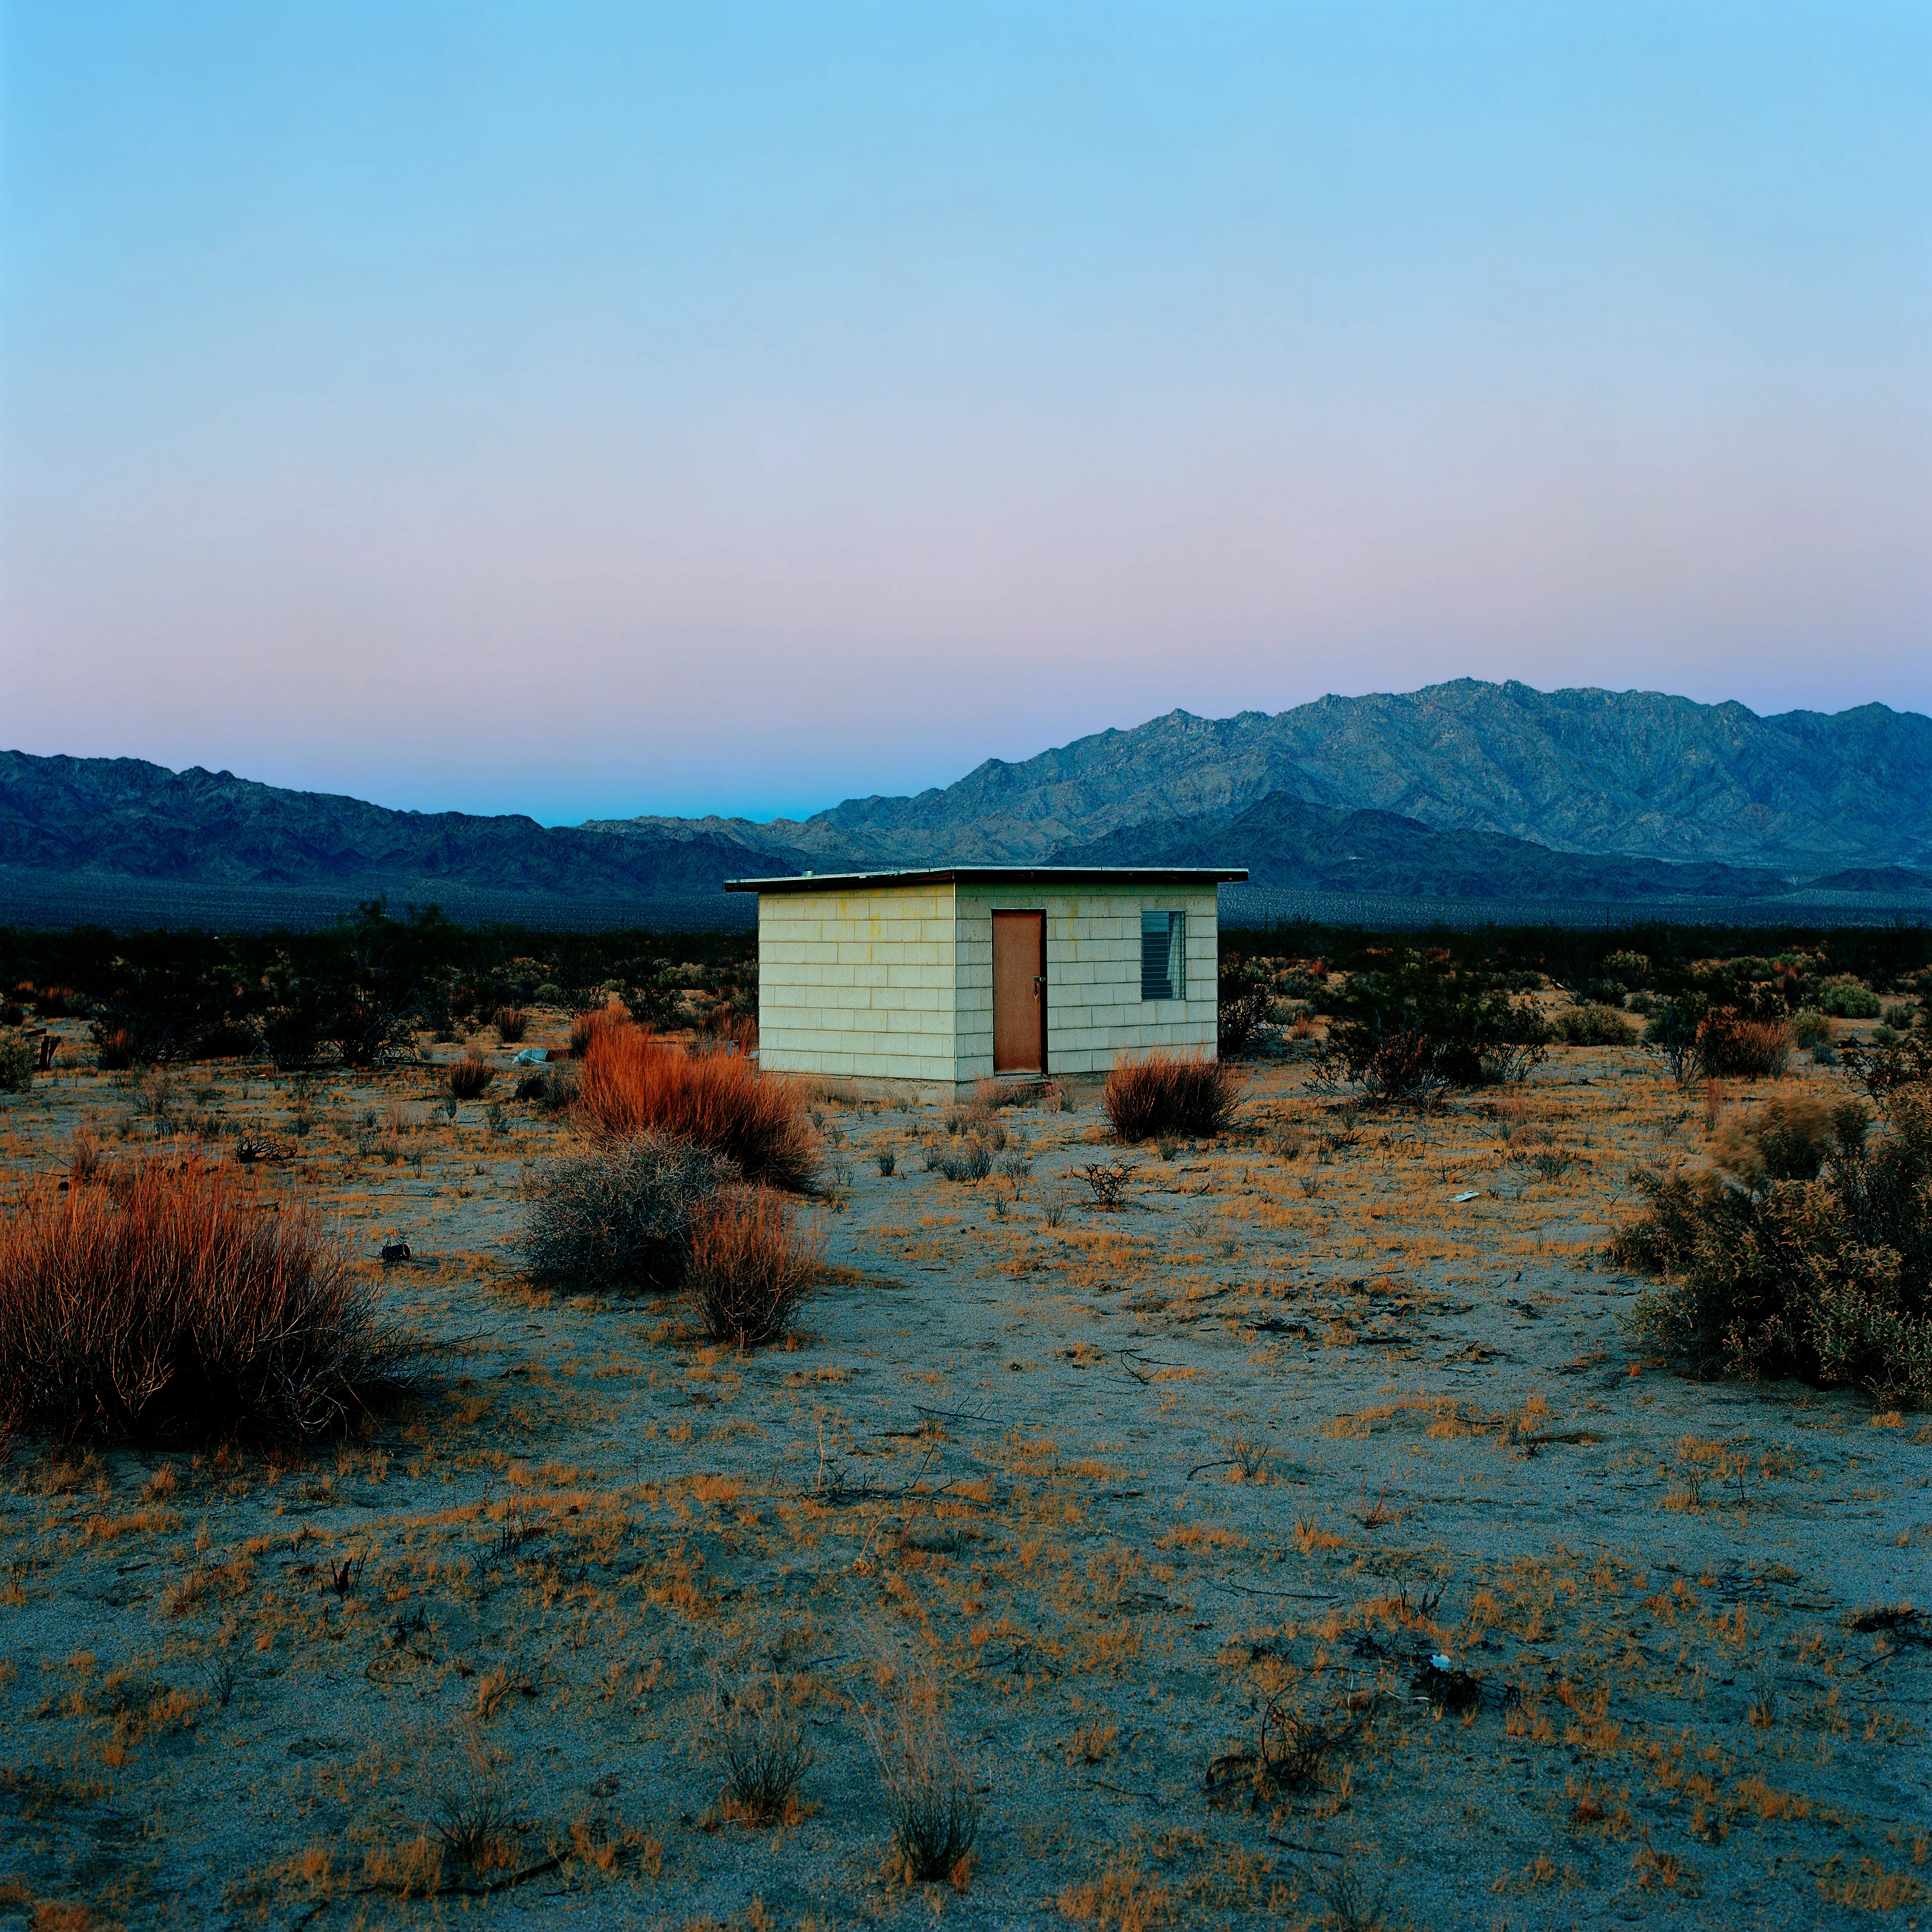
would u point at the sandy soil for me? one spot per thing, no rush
(1298, 1416)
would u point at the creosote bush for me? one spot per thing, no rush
(1594, 1024)
(1170, 1093)
(750, 1268)
(17, 1060)
(621, 1213)
(156, 1304)
(1410, 1028)
(1810, 1027)
(1807, 1251)
(632, 1082)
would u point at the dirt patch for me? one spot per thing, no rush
(1304, 1532)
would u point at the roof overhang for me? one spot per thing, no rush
(998, 875)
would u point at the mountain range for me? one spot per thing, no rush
(1464, 791)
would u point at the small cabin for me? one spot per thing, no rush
(936, 979)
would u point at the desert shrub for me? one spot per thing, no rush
(469, 1077)
(1730, 1046)
(223, 1039)
(991, 1094)
(114, 1047)
(161, 1305)
(1631, 969)
(554, 1087)
(1593, 1025)
(596, 1021)
(1244, 1010)
(55, 1003)
(1674, 1031)
(1169, 1094)
(750, 1268)
(1810, 1027)
(368, 1031)
(928, 1796)
(1848, 999)
(973, 1161)
(764, 1749)
(1407, 1031)
(621, 1214)
(511, 1025)
(631, 1082)
(1809, 1251)
(548, 994)
(18, 1059)
(1790, 1138)
(1900, 1014)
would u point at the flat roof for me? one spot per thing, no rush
(1001, 875)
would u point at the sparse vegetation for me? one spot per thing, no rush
(1808, 1252)
(763, 1747)
(1159, 1092)
(621, 1214)
(1118, 1481)
(469, 1078)
(156, 1305)
(750, 1268)
(928, 1796)
(633, 1082)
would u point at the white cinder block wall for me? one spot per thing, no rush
(894, 983)
(858, 984)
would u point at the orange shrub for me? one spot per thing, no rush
(1744, 1049)
(1169, 1094)
(585, 1027)
(117, 1049)
(633, 1083)
(511, 1025)
(165, 1306)
(468, 1077)
(749, 1268)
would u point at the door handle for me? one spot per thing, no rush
(1038, 980)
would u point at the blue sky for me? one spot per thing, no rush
(594, 410)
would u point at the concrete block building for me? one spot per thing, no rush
(936, 979)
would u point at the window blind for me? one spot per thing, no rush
(1163, 956)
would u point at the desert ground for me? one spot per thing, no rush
(1096, 1489)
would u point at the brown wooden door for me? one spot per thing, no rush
(1019, 992)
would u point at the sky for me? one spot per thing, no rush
(589, 409)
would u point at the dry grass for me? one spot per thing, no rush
(750, 1268)
(165, 1306)
(928, 1796)
(764, 1751)
(633, 1082)
(469, 1077)
(1170, 1093)
(512, 1023)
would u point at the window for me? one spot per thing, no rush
(1163, 956)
